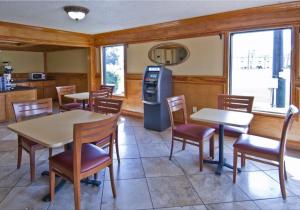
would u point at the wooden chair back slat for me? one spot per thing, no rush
(235, 103)
(177, 104)
(64, 90)
(26, 109)
(107, 105)
(90, 132)
(110, 88)
(97, 94)
(291, 113)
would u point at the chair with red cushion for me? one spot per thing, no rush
(97, 94)
(110, 88)
(251, 146)
(189, 133)
(235, 103)
(108, 106)
(64, 90)
(85, 159)
(28, 110)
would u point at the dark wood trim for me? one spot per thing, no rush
(276, 15)
(40, 35)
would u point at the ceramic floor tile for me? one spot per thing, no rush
(20, 198)
(131, 194)
(9, 158)
(8, 145)
(293, 182)
(39, 179)
(250, 165)
(215, 189)
(90, 198)
(153, 150)
(126, 139)
(172, 191)
(258, 185)
(162, 166)
(10, 175)
(3, 193)
(197, 207)
(147, 137)
(291, 203)
(243, 205)
(127, 169)
(128, 151)
(4, 132)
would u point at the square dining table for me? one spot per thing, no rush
(84, 96)
(55, 131)
(222, 117)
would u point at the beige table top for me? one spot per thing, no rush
(225, 117)
(78, 96)
(54, 130)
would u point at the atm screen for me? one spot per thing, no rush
(153, 76)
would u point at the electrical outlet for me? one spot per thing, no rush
(194, 109)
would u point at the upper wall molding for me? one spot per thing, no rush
(40, 35)
(252, 18)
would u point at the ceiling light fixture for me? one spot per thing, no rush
(76, 12)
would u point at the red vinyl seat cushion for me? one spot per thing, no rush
(91, 157)
(258, 144)
(193, 131)
(71, 106)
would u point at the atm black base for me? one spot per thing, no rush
(156, 117)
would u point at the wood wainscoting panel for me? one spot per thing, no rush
(133, 100)
(77, 79)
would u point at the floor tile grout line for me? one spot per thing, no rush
(145, 176)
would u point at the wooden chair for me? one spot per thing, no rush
(110, 88)
(64, 90)
(85, 159)
(108, 106)
(272, 150)
(104, 93)
(235, 103)
(189, 133)
(23, 111)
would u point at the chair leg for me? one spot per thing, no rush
(243, 160)
(285, 174)
(281, 179)
(212, 147)
(172, 145)
(52, 184)
(20, 149)
(32, 164)
(201, 155)
(183, 144)
(77, 194)
(95, 176)
(117, 145)
(50, 152)
(235, 157)
(112, 181)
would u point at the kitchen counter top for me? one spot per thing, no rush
(17, 88)
(28, 80)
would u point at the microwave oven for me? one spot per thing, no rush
(37, 76)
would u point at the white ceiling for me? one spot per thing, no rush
(111, 15)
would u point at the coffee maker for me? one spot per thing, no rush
(6, 80)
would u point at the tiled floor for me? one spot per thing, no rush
(147, 179)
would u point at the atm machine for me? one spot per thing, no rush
(157, 87)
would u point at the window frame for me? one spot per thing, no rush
(103, 68)
(292, 68)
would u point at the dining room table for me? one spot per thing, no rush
(222, 118)
(55, 131)
(83, 97)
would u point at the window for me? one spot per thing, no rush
(113, 67)
(260, 66)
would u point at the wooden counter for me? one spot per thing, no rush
(17, 95)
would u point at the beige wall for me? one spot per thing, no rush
(23, 61)
(68, 61)
(206, 57)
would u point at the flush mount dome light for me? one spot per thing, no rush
(76, 12)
